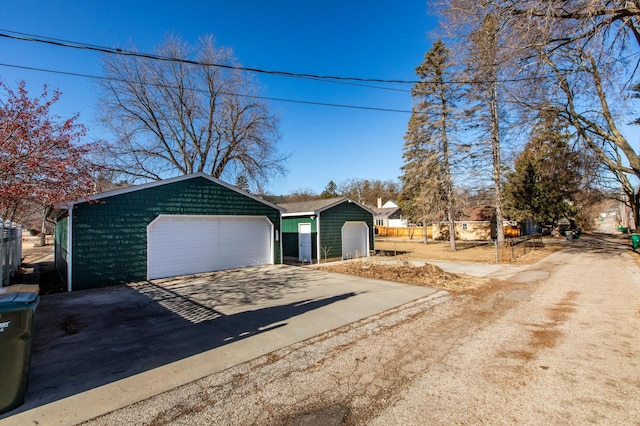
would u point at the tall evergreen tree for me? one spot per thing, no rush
(330, 191)
(242, 182)
(422, 197)
(546, 177)
(427, 177)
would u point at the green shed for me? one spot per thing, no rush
(183, 225)
(334, 228)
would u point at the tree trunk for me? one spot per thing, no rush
(634, 207)
(448, 181)
(424, 228)
(43, 233)
(495, 148)
(452, 233)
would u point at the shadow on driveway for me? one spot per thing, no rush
(90, 338)
(600, 243)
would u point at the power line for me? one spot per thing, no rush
(325, 78)
(96, 77)
(117, 51)
(297, 101)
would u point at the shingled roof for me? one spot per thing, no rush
(480, 213)
(315, 206)
(385, 212)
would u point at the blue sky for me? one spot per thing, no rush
(372, 39)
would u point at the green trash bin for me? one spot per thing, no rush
(635, 240)
(17, 306)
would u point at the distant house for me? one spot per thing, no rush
(389, 215)
(335, 228)
(477, 224)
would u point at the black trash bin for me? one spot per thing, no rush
(17, 306)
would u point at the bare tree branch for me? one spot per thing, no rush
(173, 117)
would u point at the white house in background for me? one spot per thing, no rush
(389, 215)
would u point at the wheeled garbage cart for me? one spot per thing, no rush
(17, 308)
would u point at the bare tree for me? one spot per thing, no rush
(486, 51)
(586, 20)
(484, 45)
(184, 114)
(367, 191)
(586, 52)
(302, 194)
(578, 58)
(485, 68)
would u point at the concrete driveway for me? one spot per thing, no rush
(99, 350)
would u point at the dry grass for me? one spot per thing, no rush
(428, 275)
(481, 252)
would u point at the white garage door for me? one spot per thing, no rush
(355, 240)
(181, 245)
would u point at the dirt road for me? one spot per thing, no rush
(559, 344)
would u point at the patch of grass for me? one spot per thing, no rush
(405, 272)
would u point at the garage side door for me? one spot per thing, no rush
(355, 240)
(181, 245)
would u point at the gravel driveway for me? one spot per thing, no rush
(556, 344)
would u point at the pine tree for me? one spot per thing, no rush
(546, 176)
(422, 197)
(427, 177)
(330, 191)
(242, 182)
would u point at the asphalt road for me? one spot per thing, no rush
(558, 343)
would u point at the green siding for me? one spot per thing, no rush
(110, 235)
(290, 224)
(61, 249)
(290, 236)
(289, 244)
(331, 222)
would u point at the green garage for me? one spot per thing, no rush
(184, 225)
(328, 229)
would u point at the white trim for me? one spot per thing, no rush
(318, 237)
(70, 249)
(169, 181)
(279, 240)
(366, 227)
(348, 200)
(327, 207)
(196, 216)
(298, 214)
(310, 237)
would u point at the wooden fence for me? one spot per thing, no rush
(10, 250)
(474, 231)
(408, 232)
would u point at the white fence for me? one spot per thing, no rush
(10, 250)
